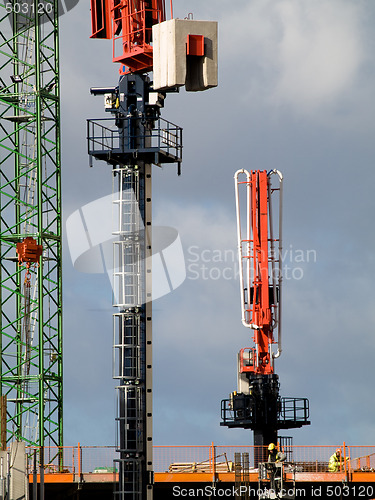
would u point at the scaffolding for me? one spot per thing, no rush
(30, 207)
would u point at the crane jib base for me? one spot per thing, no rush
(249, 412)
(261, 407)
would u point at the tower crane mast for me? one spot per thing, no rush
(257, 404)
(178, 52)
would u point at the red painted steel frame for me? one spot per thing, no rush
(129, 23)
(101, 19)
(259, 307)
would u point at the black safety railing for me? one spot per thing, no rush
(112, 138)
(294, 410)
(102, 135)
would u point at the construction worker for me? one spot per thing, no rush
(274, 457)
(336, 461)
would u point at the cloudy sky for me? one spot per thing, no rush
(296, 92)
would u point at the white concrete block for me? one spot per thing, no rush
(172, 67)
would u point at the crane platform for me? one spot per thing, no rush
(161, 144)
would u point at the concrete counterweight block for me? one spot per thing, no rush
(177, 54)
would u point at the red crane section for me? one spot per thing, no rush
(258, 310)
(129, 24)
(260, 271)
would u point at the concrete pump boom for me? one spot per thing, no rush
(257, 404)
(259, 255)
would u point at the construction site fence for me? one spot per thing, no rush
(194, 459)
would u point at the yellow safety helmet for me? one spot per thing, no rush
(271, 447)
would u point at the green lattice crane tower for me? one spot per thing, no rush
(30, 207)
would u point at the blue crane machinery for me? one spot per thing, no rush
(131, 140)
(257, 404)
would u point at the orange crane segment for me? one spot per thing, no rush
(129, 24)
(260, 275)
(260, 306)
(101, 19)
(28, 251)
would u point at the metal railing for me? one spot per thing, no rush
(111, 136)
(75, 460)
(293, 412)
(305, 458)
(205, 458)
(102, 135)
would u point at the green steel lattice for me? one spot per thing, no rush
(30, 205)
